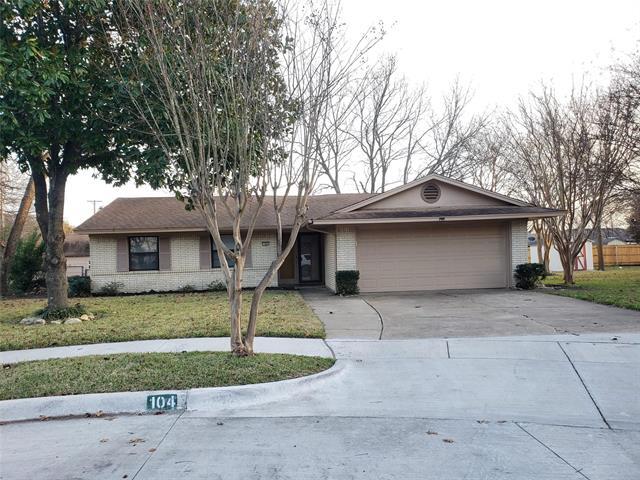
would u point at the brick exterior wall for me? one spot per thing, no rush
(346, 248)
(330, 261)
(185, 265)
(519, 244)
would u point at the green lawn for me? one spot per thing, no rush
(143, 317)
(150, 371)
(615, 286)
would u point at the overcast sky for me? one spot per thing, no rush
(501, 48)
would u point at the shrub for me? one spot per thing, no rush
(62, 313)
(111, 288)
(188, 288)
(27, 265)
(347, 282)
(79, 286)
(217, 286)
(529, 274)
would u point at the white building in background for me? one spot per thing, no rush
(76, 251)
(584, 261)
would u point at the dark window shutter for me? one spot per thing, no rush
(205, 252)
(164, 253)
(122, 254)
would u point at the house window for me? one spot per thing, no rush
(215, 258)
(143, 253)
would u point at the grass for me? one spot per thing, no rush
(144, 317)
(150, 371)
(615, 286)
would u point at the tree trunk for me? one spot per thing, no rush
(547, 258)
(567, 264)
(262, 286)
(55, 261)
(238, 347)
(600, 250)
(539, 249)
(42, 210)
(14, 236)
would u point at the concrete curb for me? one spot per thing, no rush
(196, 399)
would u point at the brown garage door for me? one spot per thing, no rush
(432, 257)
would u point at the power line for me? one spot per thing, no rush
(95, 202)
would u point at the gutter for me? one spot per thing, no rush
(364, 221)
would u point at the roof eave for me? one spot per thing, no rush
(135, 231)
(457, 218)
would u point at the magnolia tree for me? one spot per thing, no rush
(235, 92)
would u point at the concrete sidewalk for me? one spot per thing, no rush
(544, 407)
(295, 346)
(559, 381)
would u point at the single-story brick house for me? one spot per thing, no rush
(433, 233)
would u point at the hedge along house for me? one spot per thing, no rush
(433, 233)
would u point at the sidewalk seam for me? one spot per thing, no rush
(577, 470)
(593, 400)
(379, 316)
(330, 349)
(157, 446)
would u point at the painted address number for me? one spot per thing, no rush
(162, 402)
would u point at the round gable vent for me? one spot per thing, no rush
(430, 192)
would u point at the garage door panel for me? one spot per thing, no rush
(429, 257)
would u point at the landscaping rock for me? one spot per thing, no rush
(56, 322)
(32, 321)
(85, 317)
(72, 321)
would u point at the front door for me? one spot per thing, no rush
(309, 257)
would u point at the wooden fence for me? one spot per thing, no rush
(618, 255)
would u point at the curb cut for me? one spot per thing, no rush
(195, 399)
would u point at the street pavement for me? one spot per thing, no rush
(526, 407)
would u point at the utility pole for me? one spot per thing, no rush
(95, 202)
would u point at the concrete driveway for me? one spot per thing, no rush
(464, 313)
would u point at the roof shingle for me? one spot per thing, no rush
(168, 213)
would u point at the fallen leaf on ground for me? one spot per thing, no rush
(447, 440)
(135, 441)
(152, 450)
(431, 432)
(104, 440)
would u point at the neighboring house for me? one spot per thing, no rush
(433, 233)
(76, 251)
(612, 236)
(584, 260)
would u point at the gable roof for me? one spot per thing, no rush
(167, 214)
(158, 214)
(427, 178)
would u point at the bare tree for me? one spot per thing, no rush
(387, 127)
(336, 144)
(449, 141)
(617, 146)
(488, 160)
(570, 155)
(244, 86)
(12, 184)
(16, 198)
